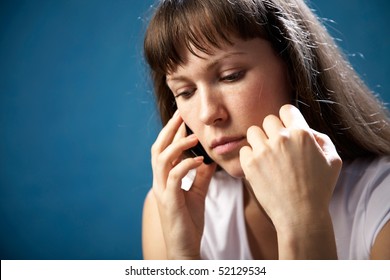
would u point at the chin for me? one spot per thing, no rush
(233, 169)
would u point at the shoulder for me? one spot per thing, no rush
(375, 184)
(375, 168)
(366, 183)
(153, 245)
(360, 205)
(364, 173)
(371, 165)
(378, 207)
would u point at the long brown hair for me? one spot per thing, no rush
(328, 92)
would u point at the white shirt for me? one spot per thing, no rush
(360, 207)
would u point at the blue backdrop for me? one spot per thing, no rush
(77, 119)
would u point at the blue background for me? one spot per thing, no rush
(77, 119)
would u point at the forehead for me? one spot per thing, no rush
(192, 54)
(202, 51)
(237, 48)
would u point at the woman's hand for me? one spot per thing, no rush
(181, 212)
(293, 170)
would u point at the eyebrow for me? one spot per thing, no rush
(210, 65)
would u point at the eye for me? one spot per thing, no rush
(233, 77)
(185, 94)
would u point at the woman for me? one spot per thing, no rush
(268, 95)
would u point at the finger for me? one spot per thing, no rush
(326, 145)
(273, 126)
(245, 153)
(172, 154)
(204, 173)
(329, 151)
(179, 171)
(167, 134)
(181, 132)
(256, 137)
(292, 117)
(246, 160)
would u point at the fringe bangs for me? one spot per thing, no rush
(197, 25)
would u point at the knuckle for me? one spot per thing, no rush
(174, 175)
(253, 159)
(260, 154)
(302, 135)
(156, 192)
(337, 162)
(251, 162)
(154, 157)
(161, 159)
(154, 149)
(182, 142)
(282, 138)
(279, 140)
(250, 166)
(326, 138)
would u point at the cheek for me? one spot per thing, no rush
(267, 94)
(189, 118)
(256, 101)
(189, 111)
(184, 111)
(254, 98)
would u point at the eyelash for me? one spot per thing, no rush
(228, 78)
(233, 77)
(185, 94)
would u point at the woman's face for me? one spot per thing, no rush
(221, 95)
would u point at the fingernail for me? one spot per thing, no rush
(192, 137)
(199, 159)
(176, 113)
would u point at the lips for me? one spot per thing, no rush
(226, 145)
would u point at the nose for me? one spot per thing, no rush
(212, 109)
